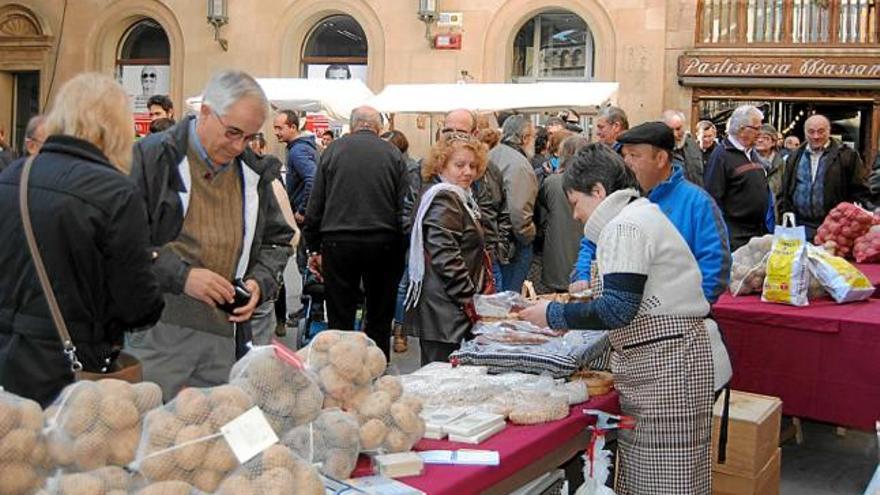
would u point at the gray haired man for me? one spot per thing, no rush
(686, 154)
(213, 220)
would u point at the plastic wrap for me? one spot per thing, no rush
(513, 332)
(332, 441)
(277, 471)
(96, 424)
(389, 421)
(182, 440)
(24, 460)
(276, 380)
(346, 364)
(500, 304)
(529, 407)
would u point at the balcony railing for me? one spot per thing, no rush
(788, 22)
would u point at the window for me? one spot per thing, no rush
(554, 45)
(143, 66)
(336, 49)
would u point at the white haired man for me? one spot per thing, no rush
(686, 154)
(214, 222)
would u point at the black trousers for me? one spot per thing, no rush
(432, 350)
(347, 265)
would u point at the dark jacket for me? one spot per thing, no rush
(738, 184)
(91, 229)
(562, 233)
(302, 159)
(846, 178)
(453, 245)
(155, 171)
(358, 194)
(6, 158)
(496, 217)
(690, 159)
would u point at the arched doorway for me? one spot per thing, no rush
(143, 66)
(555, 45)
(336, 48)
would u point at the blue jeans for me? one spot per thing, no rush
(496, 274)
(399, 311)
(515, 273)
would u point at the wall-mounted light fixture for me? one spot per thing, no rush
(217, 17)
(428, 14)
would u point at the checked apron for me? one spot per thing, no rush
(662, 368)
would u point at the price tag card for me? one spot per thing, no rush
(249, 434)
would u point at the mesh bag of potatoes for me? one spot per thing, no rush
(277, 381)
(24, 460)
(108, 480)
(97, 424)
(346, 363)
(332, 441)
(276, 471)
(749, 268)
(182, 440)
(389, 421)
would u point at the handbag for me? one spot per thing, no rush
(121, 365)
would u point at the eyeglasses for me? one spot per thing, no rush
(234, 133)
(755, 128)
(148, 75)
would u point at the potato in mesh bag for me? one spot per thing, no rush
(108, 480)
(24, 458)
(277, 381)
(389, 420)
(96, 424)
(276, 471)
(749, 266)
(332, 441)
(182, 440)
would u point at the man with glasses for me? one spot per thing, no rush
(213, 222)
(738, 182)
(35, 134)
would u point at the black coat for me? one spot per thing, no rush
(91, 229)
(453, 246)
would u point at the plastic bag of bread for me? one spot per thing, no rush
(389, 421)
(535, 407)
(839, 277)
(844, 224)
(332, 441)
(24, 459)
(182, 440)
(276, 471)
(346, 363)
(277, 381)
(97, 424)
(750, 266)
(500, 304)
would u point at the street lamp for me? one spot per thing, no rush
(217, 17)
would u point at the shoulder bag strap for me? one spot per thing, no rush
(57, 318)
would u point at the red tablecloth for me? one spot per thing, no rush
(518, 446)
(872, 271)
(823, 360)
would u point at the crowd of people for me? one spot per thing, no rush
(183, 248)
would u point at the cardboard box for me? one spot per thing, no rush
(765, 483)
(752, 435)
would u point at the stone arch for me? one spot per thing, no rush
(18, 21)
(512, 16)
(26, 44)
(297, 21)
(112, 23)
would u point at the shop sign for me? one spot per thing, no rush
(767, 66)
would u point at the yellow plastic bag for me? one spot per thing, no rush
(839, 277)
(787, 279)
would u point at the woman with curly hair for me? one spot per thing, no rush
(447, 248)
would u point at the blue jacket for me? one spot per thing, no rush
(302, 157)
(698, 220)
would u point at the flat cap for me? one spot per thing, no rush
(655, 133)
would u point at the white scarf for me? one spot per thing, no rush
(416, 244)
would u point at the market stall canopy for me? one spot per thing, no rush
(336, 98)
(585, 97)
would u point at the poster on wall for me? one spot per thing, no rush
(141, 82)
(337, 71)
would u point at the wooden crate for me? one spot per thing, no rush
(752, 435)
(765, 483)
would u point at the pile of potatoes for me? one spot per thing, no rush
(331, 440)
(288, 395)
(750, 266)
(346, 363)
(277, 471)
(97, 424)
(182, 442)
(108, 480)
(390, 421)
(23, 455)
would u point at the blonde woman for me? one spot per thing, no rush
(447, 247)
(91, 228)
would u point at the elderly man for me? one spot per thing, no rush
(353, 226)
(35, 134)
(610, 123)
(511, 156)
(215, 225)
(821, 174)
(686, 154)
(737, 181)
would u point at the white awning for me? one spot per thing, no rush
(584, 97)
(336, 98)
